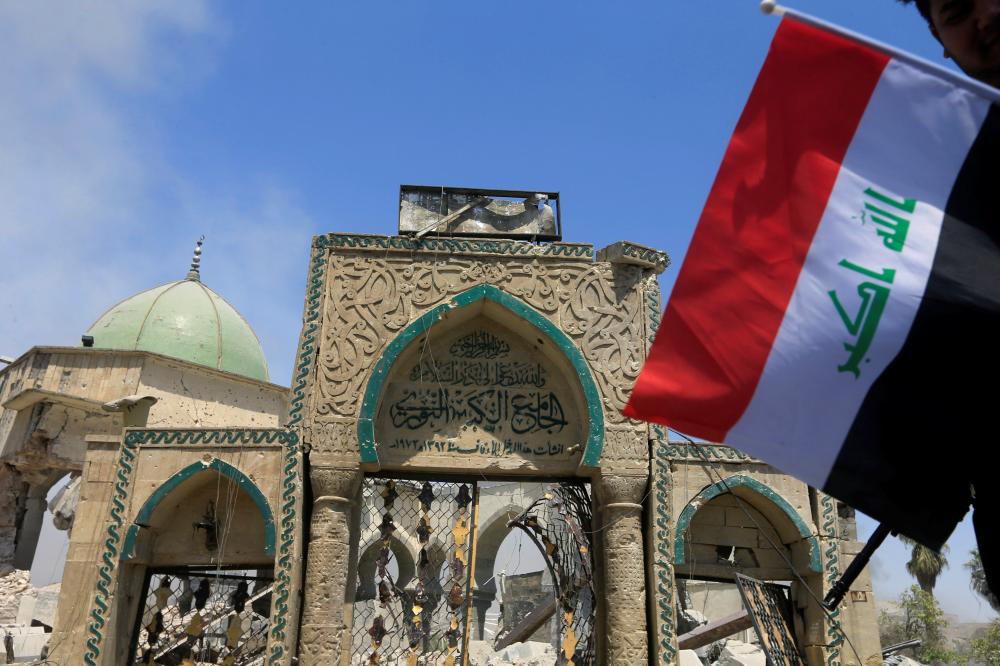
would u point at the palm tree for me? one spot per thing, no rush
(925, 564)
(978, 582)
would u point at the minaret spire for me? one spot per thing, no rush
(195, 272)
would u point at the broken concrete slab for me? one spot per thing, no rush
(738, 653)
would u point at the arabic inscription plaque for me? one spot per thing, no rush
(480, 391)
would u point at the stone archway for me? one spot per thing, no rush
(742, 525)
(185, 477)
(405, 567)
(539, 339)
(499, 503)
(197, 568)
(781, 521)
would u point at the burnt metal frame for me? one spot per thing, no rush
(761, 622)
(519, 523)
(472, 191)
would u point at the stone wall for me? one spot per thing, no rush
(14, 584)
(139, 501)
(52, 400)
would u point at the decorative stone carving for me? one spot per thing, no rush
(333, 443)
(624, 568)
(373, 289)
(369, 300)
(323, 627)
(625, 252)
(830, 542)
(481, 392)
(625, 447)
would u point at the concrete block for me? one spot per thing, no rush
(729, 536)
(688, 658)
(712, 515)
(26, 609)
(738, 653)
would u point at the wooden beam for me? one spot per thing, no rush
(713, 631)
(528, 625)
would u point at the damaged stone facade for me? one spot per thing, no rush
(453, 360)
(54, 413)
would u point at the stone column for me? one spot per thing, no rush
(482, 599)
(624, 569)
(327, 565)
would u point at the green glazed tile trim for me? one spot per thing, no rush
(651, 296)
(595, 413)
(713, 491)
(655, 258)
(454, 245)
(209, 436)
(279, 652)
(283, 567)
(109, 558)
(706, 452)
(310, 325)
(244, 482)
(663, 565)
(828, 528)
(663, 562)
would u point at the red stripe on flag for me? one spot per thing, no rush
(755, 231)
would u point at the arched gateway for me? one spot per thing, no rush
(445, 363)
(450, 393)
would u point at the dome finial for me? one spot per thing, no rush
(195, 272)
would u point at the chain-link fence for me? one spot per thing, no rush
(204, 615)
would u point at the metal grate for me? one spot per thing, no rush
(768, 607)
(560, 524)
(203, 615)
(412, 607)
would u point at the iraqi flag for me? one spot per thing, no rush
(838, 312)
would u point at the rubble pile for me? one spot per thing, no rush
(14, 584)
(738, 653)
(529, 653)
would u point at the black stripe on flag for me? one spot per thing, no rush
(928, 427)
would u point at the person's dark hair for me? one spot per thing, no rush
(923, 5)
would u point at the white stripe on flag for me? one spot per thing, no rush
(910, 144)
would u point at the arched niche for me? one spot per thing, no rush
(164, 533)
(741, 524)
(482, 383)
(405, 561)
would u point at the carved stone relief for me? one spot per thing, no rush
(333, 442)
(621, 499)
(369, 300)
(626, 447)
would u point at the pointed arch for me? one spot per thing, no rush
(764, 491)
(373, 392)
(242, 480)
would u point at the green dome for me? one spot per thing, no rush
(185, 320)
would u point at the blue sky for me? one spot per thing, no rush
(129, 129)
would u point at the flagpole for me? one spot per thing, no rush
(860, 561)
(981, 89)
